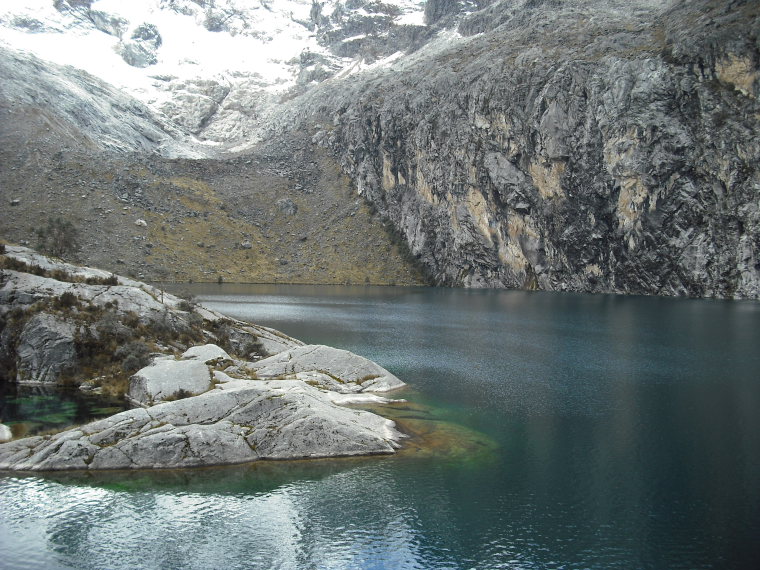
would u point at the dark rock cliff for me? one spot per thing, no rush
(570, 147)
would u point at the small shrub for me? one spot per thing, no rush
(133, 356)
(180, 394)
(60, 275)
(110, 326)
(111, 280)
(58, 238)
(131, 320)
(66, 300)
(162, 329)
(254, 347)
(115, 385)
(195, 320)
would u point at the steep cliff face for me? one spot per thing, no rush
(571, 146)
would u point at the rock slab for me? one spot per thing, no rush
(238, 422)
(342, 370)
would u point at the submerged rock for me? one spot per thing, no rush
(238, 422)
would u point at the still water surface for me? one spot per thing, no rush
(625, 432)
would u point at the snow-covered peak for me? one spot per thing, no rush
(210, 66)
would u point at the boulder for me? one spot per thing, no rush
(287, 206)
(5, 433)
(137, 54)
(45, 349)
(238, 422)
(338, 370)
(167, 378)
(207, 353)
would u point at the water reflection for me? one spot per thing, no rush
(624, 434)
(30, 409)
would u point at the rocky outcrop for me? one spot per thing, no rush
(57, 317)
(240, 421)
(200, 407)
(45, 350)
(332, 368)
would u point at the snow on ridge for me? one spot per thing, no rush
(257, 50)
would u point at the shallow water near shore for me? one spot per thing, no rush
(593, 432)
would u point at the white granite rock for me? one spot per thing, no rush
(5, 433)
(238, 422)
(338, 370)
(166, 378)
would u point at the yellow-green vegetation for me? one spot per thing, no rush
(331, 238)
(263, 218)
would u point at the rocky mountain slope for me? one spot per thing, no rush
(73, 147)
(570, 146)
(545, 144)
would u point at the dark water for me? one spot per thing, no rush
(31, 410)
(626, 432)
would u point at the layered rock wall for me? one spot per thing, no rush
(572, 149)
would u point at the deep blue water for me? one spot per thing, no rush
(625, 432)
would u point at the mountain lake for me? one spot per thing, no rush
(547, 430)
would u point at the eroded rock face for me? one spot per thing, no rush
(330, 367)
(241, 421)
(45, 349)
(615, 154)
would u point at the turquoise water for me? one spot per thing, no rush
(626, 434)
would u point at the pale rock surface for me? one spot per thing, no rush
(5, 433)
(273, 341)
(165, 377)
(240, 421)
(45, 349)
(338, 370)
(207, 353)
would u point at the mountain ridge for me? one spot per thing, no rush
(556, 145)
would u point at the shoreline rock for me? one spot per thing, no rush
(199, 405)
(240, 421)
